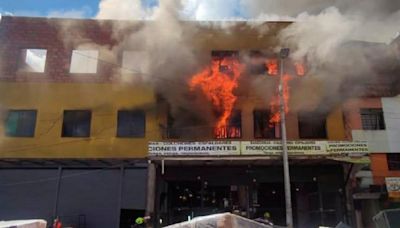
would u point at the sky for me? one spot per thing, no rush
(55, 8)
(196, 9)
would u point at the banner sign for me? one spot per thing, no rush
(251, 148)
(275, 147)
(195, 148)
(393, 186)
(341, 147)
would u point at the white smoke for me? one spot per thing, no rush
(122, 10)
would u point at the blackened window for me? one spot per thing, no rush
(312, 125)
(20, 123)
(225, 59)
(131, 123)
(372, 119)
(172, 131)
(393, 161)
(262, 126)
(76, 123)
(234, 128)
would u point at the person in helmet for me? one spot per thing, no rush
(141, 221)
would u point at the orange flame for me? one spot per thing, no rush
(275, 103)
(217, 82)
(272, 66)
(300, 69)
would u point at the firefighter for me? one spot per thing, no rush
(141, 221)
(57, 223)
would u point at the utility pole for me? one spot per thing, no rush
(284, 53)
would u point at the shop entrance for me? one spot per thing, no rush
(249, 194)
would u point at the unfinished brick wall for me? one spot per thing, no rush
(59, 37)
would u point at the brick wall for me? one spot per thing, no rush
(59, 37)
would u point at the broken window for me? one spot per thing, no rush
(20, 123)
(393, 161)
(372, 119)
(224, 59)
(76, 123)
(234, 128)
(131, 123)
(84, 61)
(262, 126)
(32, 60)
(134, 62)
(312, 125)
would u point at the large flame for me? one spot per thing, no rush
(272, 66)
(300, 69)
(218, 82)
(275, 102)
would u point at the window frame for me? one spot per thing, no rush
(372, 112)
(267, 115)
(88, 134)
(22, 64)
(130, 134)
(312, 115)
(393, 161)
(237, 112)
(33, 130)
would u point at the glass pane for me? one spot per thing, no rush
(131, 124)
(12, 123)
(76, 123)
(21, 123)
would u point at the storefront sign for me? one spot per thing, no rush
(347, 147)
(275, 147)
(195, 148)
(393, 186)
(251, 148)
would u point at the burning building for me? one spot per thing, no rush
(102, 122)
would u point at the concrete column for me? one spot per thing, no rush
(57, 195)
(119, 199)
(151, 189)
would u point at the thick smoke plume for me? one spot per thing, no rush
(340, 40)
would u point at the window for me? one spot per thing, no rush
(76, 123)
(312, 125)
(372, 119)
(173, 132)
(134, 62)
(257, 63)
(234, 128)
(131, 123)
(262, 127)
(32, 60)
(20, 123)
(225, 59)
(84, 61)
(393, 161)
